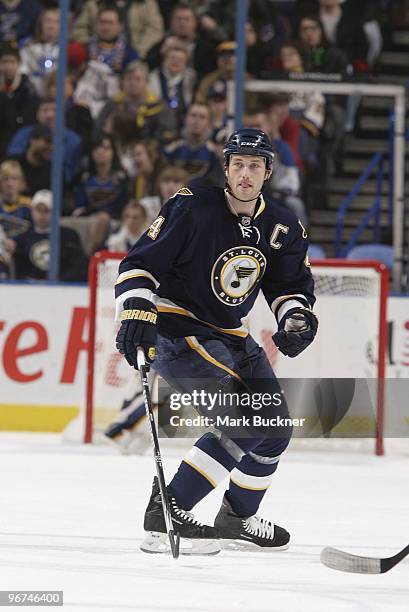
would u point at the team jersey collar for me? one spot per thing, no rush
(261, 204)
(244, 219)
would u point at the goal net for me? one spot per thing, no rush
(348, 351)
(351, 343)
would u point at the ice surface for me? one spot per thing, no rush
(71, 519)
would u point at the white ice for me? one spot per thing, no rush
(71, 519)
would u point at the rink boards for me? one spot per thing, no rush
(43, 346)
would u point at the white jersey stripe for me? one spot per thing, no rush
(146, 294)
(135, 273)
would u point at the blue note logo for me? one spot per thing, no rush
(40, 254)
(236, 274)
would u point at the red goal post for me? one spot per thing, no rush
(96, 261)
(109, 376)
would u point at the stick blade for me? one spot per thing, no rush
(346, 562)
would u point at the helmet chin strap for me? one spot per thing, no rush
(228, 189)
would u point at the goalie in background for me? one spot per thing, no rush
(128, 432)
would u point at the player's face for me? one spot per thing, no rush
(245, 175)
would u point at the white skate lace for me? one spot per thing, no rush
(183, 514)
(259, 527)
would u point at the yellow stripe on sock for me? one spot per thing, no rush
(202, 472)
(242, 486)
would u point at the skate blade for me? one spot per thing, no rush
(246, 546)
(158, 544)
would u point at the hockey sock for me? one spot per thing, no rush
(251, 478)
(206, 464)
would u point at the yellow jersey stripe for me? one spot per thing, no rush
(261, 207)
(194, 345)
(125, 278)
(181, 311)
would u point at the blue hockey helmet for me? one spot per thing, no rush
(249, 141)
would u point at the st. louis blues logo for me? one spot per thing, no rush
(236, 273)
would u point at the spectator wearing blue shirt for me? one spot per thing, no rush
(102, 192)
(46, 114)
(36, 159)
(109, 46)
(12, 185)
(15, 211)
(18, 20)
(5, 256)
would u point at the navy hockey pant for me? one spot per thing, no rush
(251, 460)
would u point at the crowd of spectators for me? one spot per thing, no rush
(146, 111)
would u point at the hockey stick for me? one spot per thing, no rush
(174, 539)
(347, 562)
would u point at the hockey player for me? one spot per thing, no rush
(183, 291)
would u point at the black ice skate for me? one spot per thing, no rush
(195, 538)
(248, 533)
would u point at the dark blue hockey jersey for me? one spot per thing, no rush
(203, 266)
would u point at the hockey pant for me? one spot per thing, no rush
(249, 458)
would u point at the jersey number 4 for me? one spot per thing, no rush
(155, 228)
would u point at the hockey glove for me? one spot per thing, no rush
(296, 331)
(138, 329)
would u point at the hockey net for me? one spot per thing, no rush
(351, 306)
(351, 344)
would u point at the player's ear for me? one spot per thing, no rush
(268, 174)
